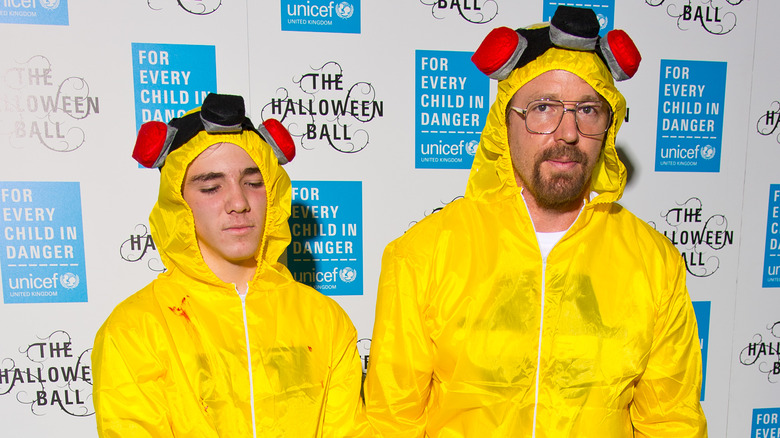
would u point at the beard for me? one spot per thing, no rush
(560, 190)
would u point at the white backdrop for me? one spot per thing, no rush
(68, 103)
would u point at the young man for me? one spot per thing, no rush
(537, 306)
(225, 342)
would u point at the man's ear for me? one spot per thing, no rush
(508, 110)
(184, 181)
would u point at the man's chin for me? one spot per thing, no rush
(560, 193)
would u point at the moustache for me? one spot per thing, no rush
(570, 152)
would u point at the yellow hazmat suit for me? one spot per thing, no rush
(188, 357)
(476, 336)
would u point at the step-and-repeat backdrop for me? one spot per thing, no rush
(386, 110)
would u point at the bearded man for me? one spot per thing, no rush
(536, 306)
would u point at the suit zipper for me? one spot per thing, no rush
(249, 365)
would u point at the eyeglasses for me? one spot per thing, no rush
(544, 116)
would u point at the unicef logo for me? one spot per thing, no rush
(345, 10)
(348, 275)
(69, 280)
(471, 147)
(603, 20)
(50, 4)
(707, 152)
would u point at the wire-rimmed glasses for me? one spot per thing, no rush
(543, 116)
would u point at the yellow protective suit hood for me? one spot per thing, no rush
(492, 175)
(172, 223)
(188, 356)
(482, 332)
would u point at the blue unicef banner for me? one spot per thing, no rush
(171, 79)
(766, 423)
(327, 236)
(321, 16)
(690, 116)
(451, 97)
(772, 249)
(604, 9)
(702, 311)
(34, 12)
(42, 243)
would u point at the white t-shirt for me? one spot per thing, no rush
(547, 241)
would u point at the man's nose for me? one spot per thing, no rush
(567, 129)
(236, 201)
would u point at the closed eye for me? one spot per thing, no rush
(254, 178)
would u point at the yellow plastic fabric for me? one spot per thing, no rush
(171, 360)
(459, 329)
